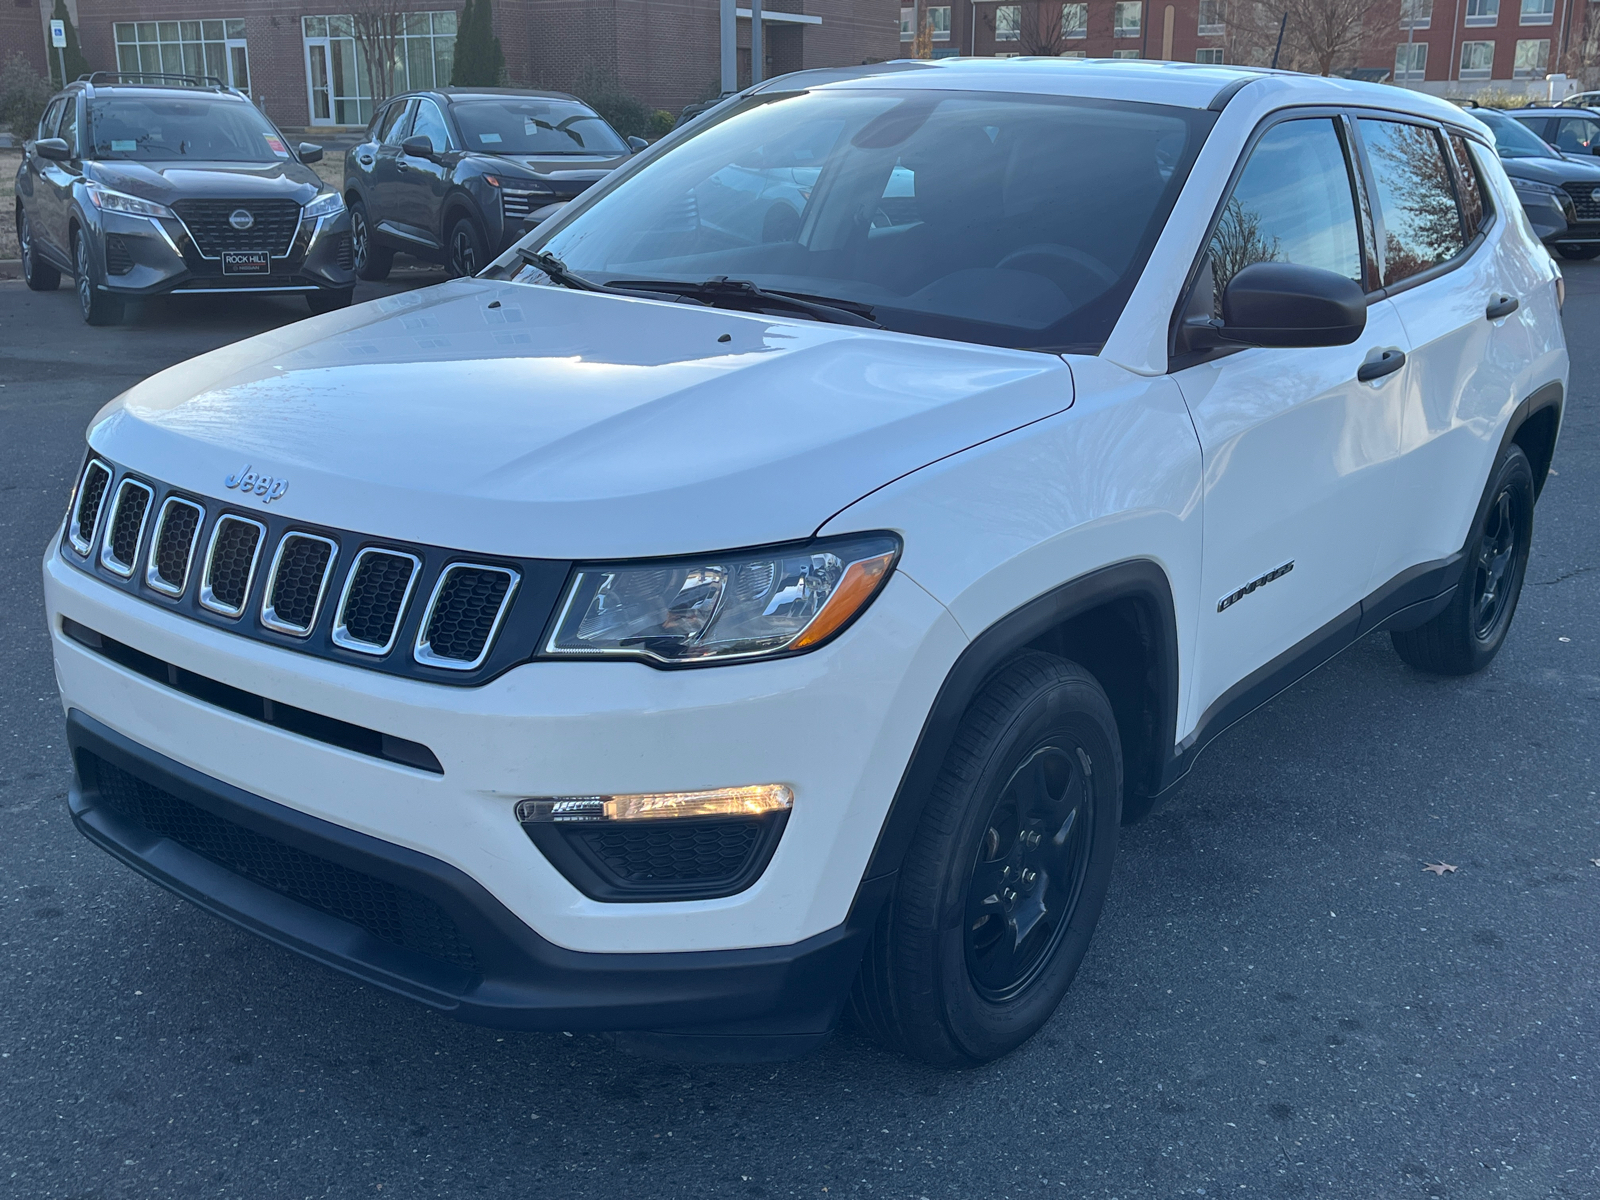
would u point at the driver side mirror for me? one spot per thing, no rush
(1280, 304)
(55, 149)
(310, 152)
(417, 147)
(636, 143)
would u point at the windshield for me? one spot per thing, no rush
(1003, 219)
(157, 129)
(535, 127)
(1512, 139)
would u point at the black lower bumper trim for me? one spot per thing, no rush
(767, 1002)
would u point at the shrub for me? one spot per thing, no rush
(23, 96)
(600, 90)
(661, 123)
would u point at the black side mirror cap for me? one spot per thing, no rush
(637, 144)
(1284, 304)
(55, 149)
(417, 147)
(309, 152)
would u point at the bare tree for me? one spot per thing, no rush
(377, 28)
(1039, 28)
(1320, 37)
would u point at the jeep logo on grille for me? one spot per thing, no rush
(240, 219)
(258, 483)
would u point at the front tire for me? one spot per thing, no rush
(327, 300)
(39, 275)
(468, 253)
(373, 261)
(98, 308)
(1579, 253)
(1466, 636)
(1004, 879)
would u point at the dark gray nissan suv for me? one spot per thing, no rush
(136, 185)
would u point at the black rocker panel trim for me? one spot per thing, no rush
(764, 1002)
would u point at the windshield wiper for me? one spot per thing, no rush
(736, 293)
(558, 273)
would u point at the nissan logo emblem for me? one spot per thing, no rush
(1595, 195)
(240, 219)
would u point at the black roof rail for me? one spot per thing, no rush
(115, 77)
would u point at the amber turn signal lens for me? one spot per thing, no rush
(860, 584)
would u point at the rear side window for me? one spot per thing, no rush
(1293, 203)
(1474, 212)
(1578, 135)
(1416, 198)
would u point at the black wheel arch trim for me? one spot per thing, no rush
(1549, 398)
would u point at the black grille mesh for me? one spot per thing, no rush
(94, 491)
(377, 592)
(667, 851)
(465, 613)
(388, 912)
(297, 586)
(174, 542)
(118, 260)
(1583, 200)
(273, 230)
(232, 561)
(127, 521)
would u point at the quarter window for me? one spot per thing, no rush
(1293, 203)
(1421, 223)
(1474, 212)
(387, 133)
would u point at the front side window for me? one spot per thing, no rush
(1411, 61)
(1210, 18)
(1008, 23)
(1477, 60)
(535, 125)
(1538, 12)
(1075, 20)
(1127, 15)
(1532, 58)
(69, 126)
(1293, 203)
(51, 118)
(1416, 197)
(1483, 12)
(1002, 219)
(429, 123)
(155, 128)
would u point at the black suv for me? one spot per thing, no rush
(1559, 191)
(135, 185)
(458, 174)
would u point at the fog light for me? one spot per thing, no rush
(753, 801)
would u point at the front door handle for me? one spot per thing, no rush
(364, 159)
(1503, 307)
(1391, 362)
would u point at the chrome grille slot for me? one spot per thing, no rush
(125, 527)
(516, 205)
(231, 564)
(376, 592)
(86, 507)
(297, 582)
(172, 546)
(464, 614)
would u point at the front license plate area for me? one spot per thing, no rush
(246, 262)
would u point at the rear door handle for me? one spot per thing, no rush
(1391, 362)
(1503, 307)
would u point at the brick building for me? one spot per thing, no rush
(300, 63)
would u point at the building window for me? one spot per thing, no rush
(908, 24)
(1532, 59)
(1483, 12)
(1075, 20)
(1416, 14)
(1128, 13)
(1124, 54)
(1538, 12)
(1477, 60)
(184, 48)
(1410, 61)
(1210, 19)
(337, 70)
(939, 22)
(1008, 23)
(1212, 56)
(1073, 54)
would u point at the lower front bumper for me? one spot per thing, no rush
(382, 912)
(156, 256)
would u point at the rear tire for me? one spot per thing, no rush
(1003, 883)
(1466, 636)
(466, 252)
(327, 300)
(98, 308)
(39, 275)
(373, 261)
(1579, 253)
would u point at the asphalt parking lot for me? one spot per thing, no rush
(1280, 1000)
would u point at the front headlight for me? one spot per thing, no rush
(109, 200)
(716, 607)
(1533, 188)
(327, 204)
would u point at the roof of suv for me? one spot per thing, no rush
(110, 82)
(490, 93)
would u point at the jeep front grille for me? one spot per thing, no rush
(375, 596)
(231, 564)
(125, 528)
(86, 506)
(463, 615)
(273, 225)
(172, 547)
(297, 582)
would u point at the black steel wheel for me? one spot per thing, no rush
(98, 307)
(467, 255)
(373, 259)
(1001, 888)
(39, 275)
(1466, 636)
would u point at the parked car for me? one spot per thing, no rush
(458, 174)
(1581, 100)
(1559, 192)
(1571, 132)
(138, 185)
(684, 631)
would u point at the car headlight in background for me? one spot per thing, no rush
(716, 607)
(109, 200)
(1531, 191)
(327, 204)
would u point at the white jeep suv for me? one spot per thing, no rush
(768, 587)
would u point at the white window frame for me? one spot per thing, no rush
(1119, 12)
(908, 23)
(1008, 23)
(1467, 51)
(1537, 71)
(937, 14)
(130, 36)
(1078, 28)
(361, 95)
(1217, 25)
(1537, 12)
(1124, 54)
(1483, 13)
(1416, 14)
(1210, 55)
(1417, 68)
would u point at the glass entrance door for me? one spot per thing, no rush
(317, 81)
(336, 76)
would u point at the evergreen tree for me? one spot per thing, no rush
(462, 65)
(478, 61)
(76, 64)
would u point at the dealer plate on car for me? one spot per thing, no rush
(246, 262)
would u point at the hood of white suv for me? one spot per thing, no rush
(528, 420)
